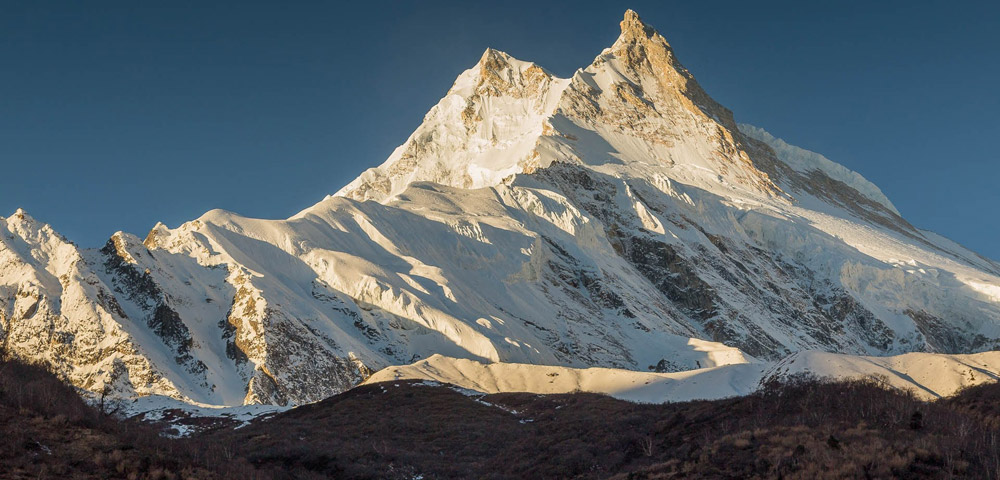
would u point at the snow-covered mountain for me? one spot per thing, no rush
(619, 218)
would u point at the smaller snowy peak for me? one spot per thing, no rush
(805, 161)
(21, 219)
(120, 244)
(484, 130)
(33, 232)
(498, 74)
(155, 235)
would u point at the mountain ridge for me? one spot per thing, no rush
(619, 218)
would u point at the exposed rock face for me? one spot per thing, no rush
(619, 218)
(639, 87)
(55, 308)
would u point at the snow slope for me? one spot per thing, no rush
(646, 387)
(929, 376)
(616, 219)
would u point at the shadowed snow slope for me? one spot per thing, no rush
(616, 219)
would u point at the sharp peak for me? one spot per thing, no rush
(21, 220)
(641, 46)
(494, 61)
(23, 216)
(492, 56)
(122, 235)
(634, 29)
(492, 52)
(633, 24)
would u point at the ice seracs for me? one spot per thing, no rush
(618, 219)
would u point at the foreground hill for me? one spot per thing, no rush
(799, 428)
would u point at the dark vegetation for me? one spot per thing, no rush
(802, 428)
(48, 431)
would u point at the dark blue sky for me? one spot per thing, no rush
(115, 116)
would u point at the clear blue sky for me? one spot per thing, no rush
(114, 116)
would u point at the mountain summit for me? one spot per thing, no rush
(618, 218)
(505, 116)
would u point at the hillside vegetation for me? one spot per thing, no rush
(801, 428)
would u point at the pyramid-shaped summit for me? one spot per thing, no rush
(618, 218)
(503, 116)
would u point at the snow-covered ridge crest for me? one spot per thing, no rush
(803, 160)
